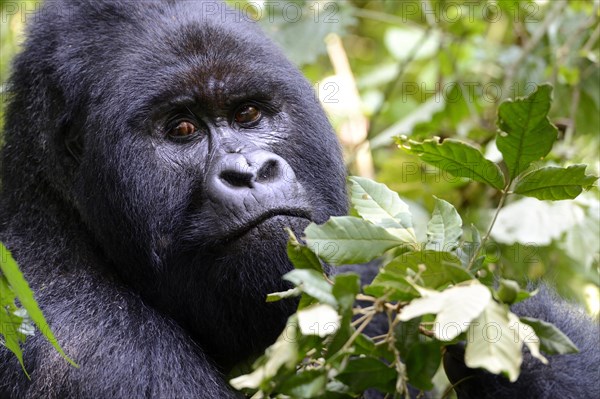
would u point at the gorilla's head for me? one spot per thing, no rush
(185, 143)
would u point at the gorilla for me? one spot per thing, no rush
(154, 152)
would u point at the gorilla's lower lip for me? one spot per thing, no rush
(246, 227)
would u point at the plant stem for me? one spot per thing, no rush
(505, 194)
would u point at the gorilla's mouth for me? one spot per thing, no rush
(260, 220)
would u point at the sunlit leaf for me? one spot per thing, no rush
(492, 344)
(457, 158)
(349, 240)
(455, 307)
(378, 204)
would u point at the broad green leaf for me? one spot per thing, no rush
(422, 362)
(552, 340)
(457, 158)
(393, 285)
(492, 344)
(307, 384)
(454, 307)
(312, 283)
(437, 269)
(321, 320)
(526, 133)
(367, 372)
(301, 256)
(349, 240)
(345, 288)
(554, 183)
(19, 286)
(445, 227)
(378, 204)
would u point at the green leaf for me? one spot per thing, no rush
(277, 296)
(19, 286)
(552, 340)
(307, 384)
(526, 133)
(312, 283)
(445, 227)
(345, 288)
(508, 290)
(422, 362)
(393, 285)
(366, 372)
(457, 158)
(454, 307)
(383, 207)
(349, 240)
(492, 344)
(437, 269)
(10, 322)
(301, 256)
(554, 183)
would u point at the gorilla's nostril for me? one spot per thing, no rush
(269, 170)
(236, 178)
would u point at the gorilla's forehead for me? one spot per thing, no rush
(207, 57)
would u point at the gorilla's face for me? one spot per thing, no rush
(200, 146)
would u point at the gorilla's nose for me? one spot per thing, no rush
(258, 167)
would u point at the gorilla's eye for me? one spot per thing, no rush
(247, 115)
(183, 129)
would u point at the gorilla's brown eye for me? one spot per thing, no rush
(183, 129)
(247, 115)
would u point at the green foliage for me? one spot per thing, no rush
(16, 321)
(433, 294)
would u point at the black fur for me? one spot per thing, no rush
(125, 238)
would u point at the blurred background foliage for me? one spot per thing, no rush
(428, 68)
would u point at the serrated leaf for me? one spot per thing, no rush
(552, 340)
(526, 133)
(554, 183)
(459, 159)
(23, 292)
(349, 240)
(312, 283)
(445, 227)
(454, 307)
(378, 204)
(437, 269)
(492, 344)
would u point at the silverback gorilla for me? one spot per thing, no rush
(154, 151)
